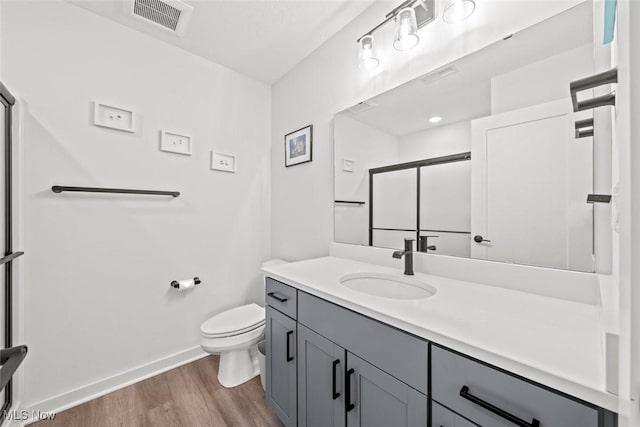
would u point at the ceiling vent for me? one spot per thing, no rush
(361, 107)
(172, 15)
(438, 74)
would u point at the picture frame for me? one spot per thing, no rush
(298, 146)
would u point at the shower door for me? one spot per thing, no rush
(10, 357)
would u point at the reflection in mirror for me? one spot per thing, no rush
(478, 158)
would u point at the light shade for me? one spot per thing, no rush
(367, 57)
(406, 36)
(458, 10)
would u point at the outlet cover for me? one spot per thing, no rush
(348, 165)
(174, 142)
(223, 162)
(112, 117)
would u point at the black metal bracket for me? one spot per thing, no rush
(61, 188)
(10, 359)
(607, 77)
(599, 198)
(584, 128)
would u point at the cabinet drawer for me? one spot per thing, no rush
(442, 417)
(281, 297)
(473, 389)
(402, 355)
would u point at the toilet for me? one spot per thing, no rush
(234, 335)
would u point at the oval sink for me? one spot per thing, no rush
(387, 286)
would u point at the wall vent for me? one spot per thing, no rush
(438, 74)
(361, 107)
(172, 15)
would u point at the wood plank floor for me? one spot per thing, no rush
(188, 396)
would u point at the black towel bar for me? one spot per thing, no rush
(61, 188)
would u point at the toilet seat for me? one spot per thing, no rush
(237, 321)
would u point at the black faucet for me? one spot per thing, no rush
(408, 256)
(423, 244)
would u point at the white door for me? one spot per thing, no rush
(530, 180)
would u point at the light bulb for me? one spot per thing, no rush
(367, 56)
(406, 36)
(458, 10)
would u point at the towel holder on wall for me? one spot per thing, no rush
(607, 77)
(61, 188)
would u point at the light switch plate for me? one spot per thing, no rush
(174, 142)
(223, 162)
(348, 165)
(112, 117)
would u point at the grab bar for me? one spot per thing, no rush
(607, 77)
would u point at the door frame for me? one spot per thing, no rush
(8, 101)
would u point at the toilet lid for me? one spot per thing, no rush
(235, 321)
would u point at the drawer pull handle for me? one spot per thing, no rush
(289, 356)
(335, 394)
(347, 399)
(464, 393)
(277, 297)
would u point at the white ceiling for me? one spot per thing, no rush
(466, 94)
(262, 39)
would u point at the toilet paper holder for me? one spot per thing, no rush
(176, 285)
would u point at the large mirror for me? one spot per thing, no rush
(478, 158)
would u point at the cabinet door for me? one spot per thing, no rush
(374, 398)
(320, 381)
(281, 366)
(442, 417)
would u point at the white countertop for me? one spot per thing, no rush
(555, 342)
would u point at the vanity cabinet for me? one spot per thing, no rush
(321, 369)
(491, 397)
(281, 384)
(328, 366)
(374, 398)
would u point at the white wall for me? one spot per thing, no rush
(329, 81)
(439, 141)
(542, 81)
(368, 148)
(98, 267)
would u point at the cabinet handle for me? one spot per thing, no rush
(277, 297)
(289, 356)
(347, 391)
(336, 394)
(465, 394)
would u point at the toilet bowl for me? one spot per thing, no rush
(234, 335)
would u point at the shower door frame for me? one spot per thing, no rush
(8, 100)
(411, 165)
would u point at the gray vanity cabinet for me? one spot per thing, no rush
(374, 398)
(280, 332)
(321, 367)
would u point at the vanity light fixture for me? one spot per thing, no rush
(458, 10)
(367, 57)
(406, 32)
(435, 119)
(409, 16)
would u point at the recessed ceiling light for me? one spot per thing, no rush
(435, 119)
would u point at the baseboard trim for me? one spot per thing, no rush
(94, 390)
